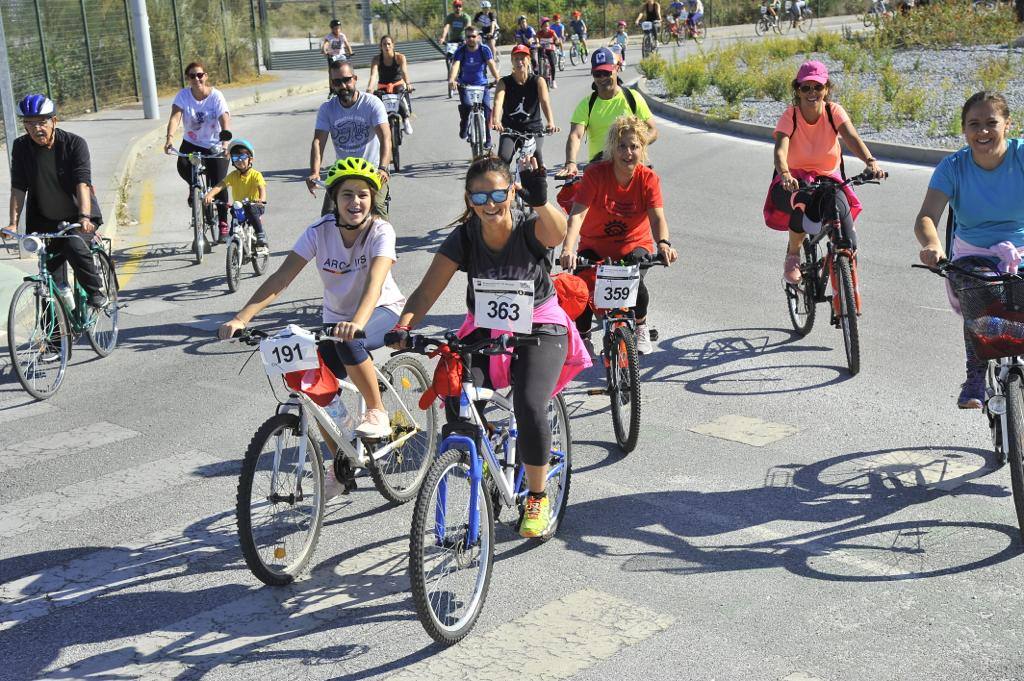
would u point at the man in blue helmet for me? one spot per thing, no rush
(51, 179)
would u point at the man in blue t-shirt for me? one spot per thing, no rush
(471, 63)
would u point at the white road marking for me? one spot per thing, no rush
(744, 429)
(556, 641)
(68, 443)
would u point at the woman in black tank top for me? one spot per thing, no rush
(519, 100)
(392, 72)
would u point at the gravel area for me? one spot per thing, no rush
(948, 76)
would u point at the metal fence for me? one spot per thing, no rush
(82, 55)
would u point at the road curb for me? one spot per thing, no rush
(894, 152)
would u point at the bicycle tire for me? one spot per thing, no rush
(448, 72)
(268, 573)
(478, 136)
(198, 233)
(260, 258)
(573, 55)
(698, 32)
(848, 313)
(800, 299)
(624, 387)
(646, 46)
(44, 316)
(761, 26)
(390, 473)
(777, 27)
(396, 143)
(103, 328)
(233, 262)
(557, 487)
(449, 627)
(212, 225)
(1015, 446)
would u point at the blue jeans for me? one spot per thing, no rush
(337, 355)
(465, 106)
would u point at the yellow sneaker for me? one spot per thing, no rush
(536, 517)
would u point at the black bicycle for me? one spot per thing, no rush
(204, 217)
(838, 266)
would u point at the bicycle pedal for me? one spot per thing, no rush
(597, 391)
(653, 333)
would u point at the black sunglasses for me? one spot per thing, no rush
(197, 75)
(601, 74)
(342, 81)
(498, 196)
(817, 87)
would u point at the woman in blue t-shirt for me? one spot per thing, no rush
(983, 183)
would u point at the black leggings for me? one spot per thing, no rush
(76, 251)
(507, 148)
(782, 199)
(216, 169)
(643, 297)
(534, 372)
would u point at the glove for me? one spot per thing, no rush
(397, 337)
(535, 186)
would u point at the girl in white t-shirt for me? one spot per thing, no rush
(354, 252)
(204, 112)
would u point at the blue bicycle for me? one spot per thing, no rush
(475, 476)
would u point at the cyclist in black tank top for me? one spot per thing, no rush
(651, 11)
(392, 78)
(519, 100)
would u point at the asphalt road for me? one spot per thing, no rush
(861, 535)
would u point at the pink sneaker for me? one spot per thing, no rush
(791, 269)
(375, 425)
(223, 231)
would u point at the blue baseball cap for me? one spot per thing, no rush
(602, 59)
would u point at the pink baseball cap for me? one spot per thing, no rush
(814, 71)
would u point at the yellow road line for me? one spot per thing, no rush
(137, 250)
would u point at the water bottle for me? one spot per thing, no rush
(238, 210)
(340, 415)
(67, 295)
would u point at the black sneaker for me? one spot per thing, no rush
(261, 241)
(51, 351)
(98, 300)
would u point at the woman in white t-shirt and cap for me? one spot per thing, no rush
(204, 112)
(354, 252)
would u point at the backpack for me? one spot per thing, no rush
(630, 100)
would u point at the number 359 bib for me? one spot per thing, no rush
(616, 286)
(503, 304)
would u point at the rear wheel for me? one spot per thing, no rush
(38, 339)
(396, 142)
(648, 46)
(1015, 447)
(624, 387)
(234, 264)
(448, 63)
(800, 297)
(806, 20)
(102, 330)
(198, 239)
(847, 311)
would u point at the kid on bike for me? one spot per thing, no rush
(245, 183)
(620, 40)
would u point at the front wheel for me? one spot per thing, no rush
(396, 142)
(574, 55)
(280, 501)
(806, 21)
(800, 298)
(234, 264)
(449, 571)
(1015, 448)
(198, 239)
(559, 465)
(624, 387)
(103, 329)
(761, 26)
(647, 47)
(698, 32)
(477, 140)
(260, 257)
(847, 311)
(38, 339)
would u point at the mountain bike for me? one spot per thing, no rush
(993, 307)
(617, 282)
(543, 64)
(44, 318)
(449, 58)
(837, 266)
(280, 500)
(696, 30)
(650, 41)
(577, 50)
(798, 15)
(475, 475)
(204, 218)
(767, 21)
(476, 121)
(672, 30)
(391, 95)
(242, 246)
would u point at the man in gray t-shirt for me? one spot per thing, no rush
(357, 125)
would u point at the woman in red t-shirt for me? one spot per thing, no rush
(618, 211)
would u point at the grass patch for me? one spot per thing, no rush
(890, 81)
(856, 100)
(822, 41)
(909, 103)
(725, 112)
(995, 73)
(653, 67)
(854, 58)
(954, 127)
(876, 114)
(734, 84)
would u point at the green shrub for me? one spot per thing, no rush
(725, 112)
(775, 83)
(995, 73)
(890, 81)
(733, 84)
(940, 24)
(822, 41)
(954, 126)
(933, 128)
(653, 67)
(876, 114)
(909, 103)
(781, 48)
(856, 100)
(854, 59)
(688, 77)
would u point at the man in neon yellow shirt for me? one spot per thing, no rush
(246, 184)
(596, 112)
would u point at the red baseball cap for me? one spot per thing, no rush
(521, 49)
(813, 71)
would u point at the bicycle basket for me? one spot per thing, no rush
(994, 317)
(475, 94)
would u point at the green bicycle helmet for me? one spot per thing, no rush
(244, 143)
(353, 166)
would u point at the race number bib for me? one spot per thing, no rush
(504, 305)
(391, 102)
(646, 25)
(291, 349)
(616, 286)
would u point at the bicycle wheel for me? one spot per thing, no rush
(698, 32)
(38, 340)
(233, 260)
(646, 47)
(800, 298)
(280, 502)
(808, 20)
(1015, 447)
(449, 575)
(396, 142)
(848, 312)
(212, 228)
(397, 475)
(777, 26)
(448, 72)
(559, 465)
(573, 55)
(260, 258)
(103, 329)
(198, 239)
(624, 387)
(761, 26)
(478, 135)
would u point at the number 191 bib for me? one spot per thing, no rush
(616, 286)
(504, 305)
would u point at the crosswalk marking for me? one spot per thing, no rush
(67, 443)
(28, 513)
(556, 641)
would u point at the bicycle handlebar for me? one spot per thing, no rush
(191, 154)
(252, 337)
(945, 266)
(503, 344)
(857, 180)
(645, 262)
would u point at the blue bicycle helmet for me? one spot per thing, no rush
(244, 143)
(36, 105)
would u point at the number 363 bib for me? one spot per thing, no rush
(505, 305)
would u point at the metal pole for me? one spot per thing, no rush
(265, 33)
(144, 58)
(256, 45)
(42, 48)
(367, 23)
(334, 10)
(88, 57)
(7, 92)
(177, 39)
(131, 48)
(224, 33)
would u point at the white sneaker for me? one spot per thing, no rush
(643, 340)
(375, 425)
(407, 127)
(332, 487)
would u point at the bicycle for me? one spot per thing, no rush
(577, 50)
(449, 58)
(202, 218)
(650, 42)
(242, 246)
(671, 30)
(476, 121)
(282, 475)
(392, 105)
(561, 59)
(766, 22)
(876, 13)
(451, 545)
(45, 319)
(695, 31)
(1004, 373)
(617, 282)
(543, 65)
(837, 266)
(802, 19)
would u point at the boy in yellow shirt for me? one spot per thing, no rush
(245, 182)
